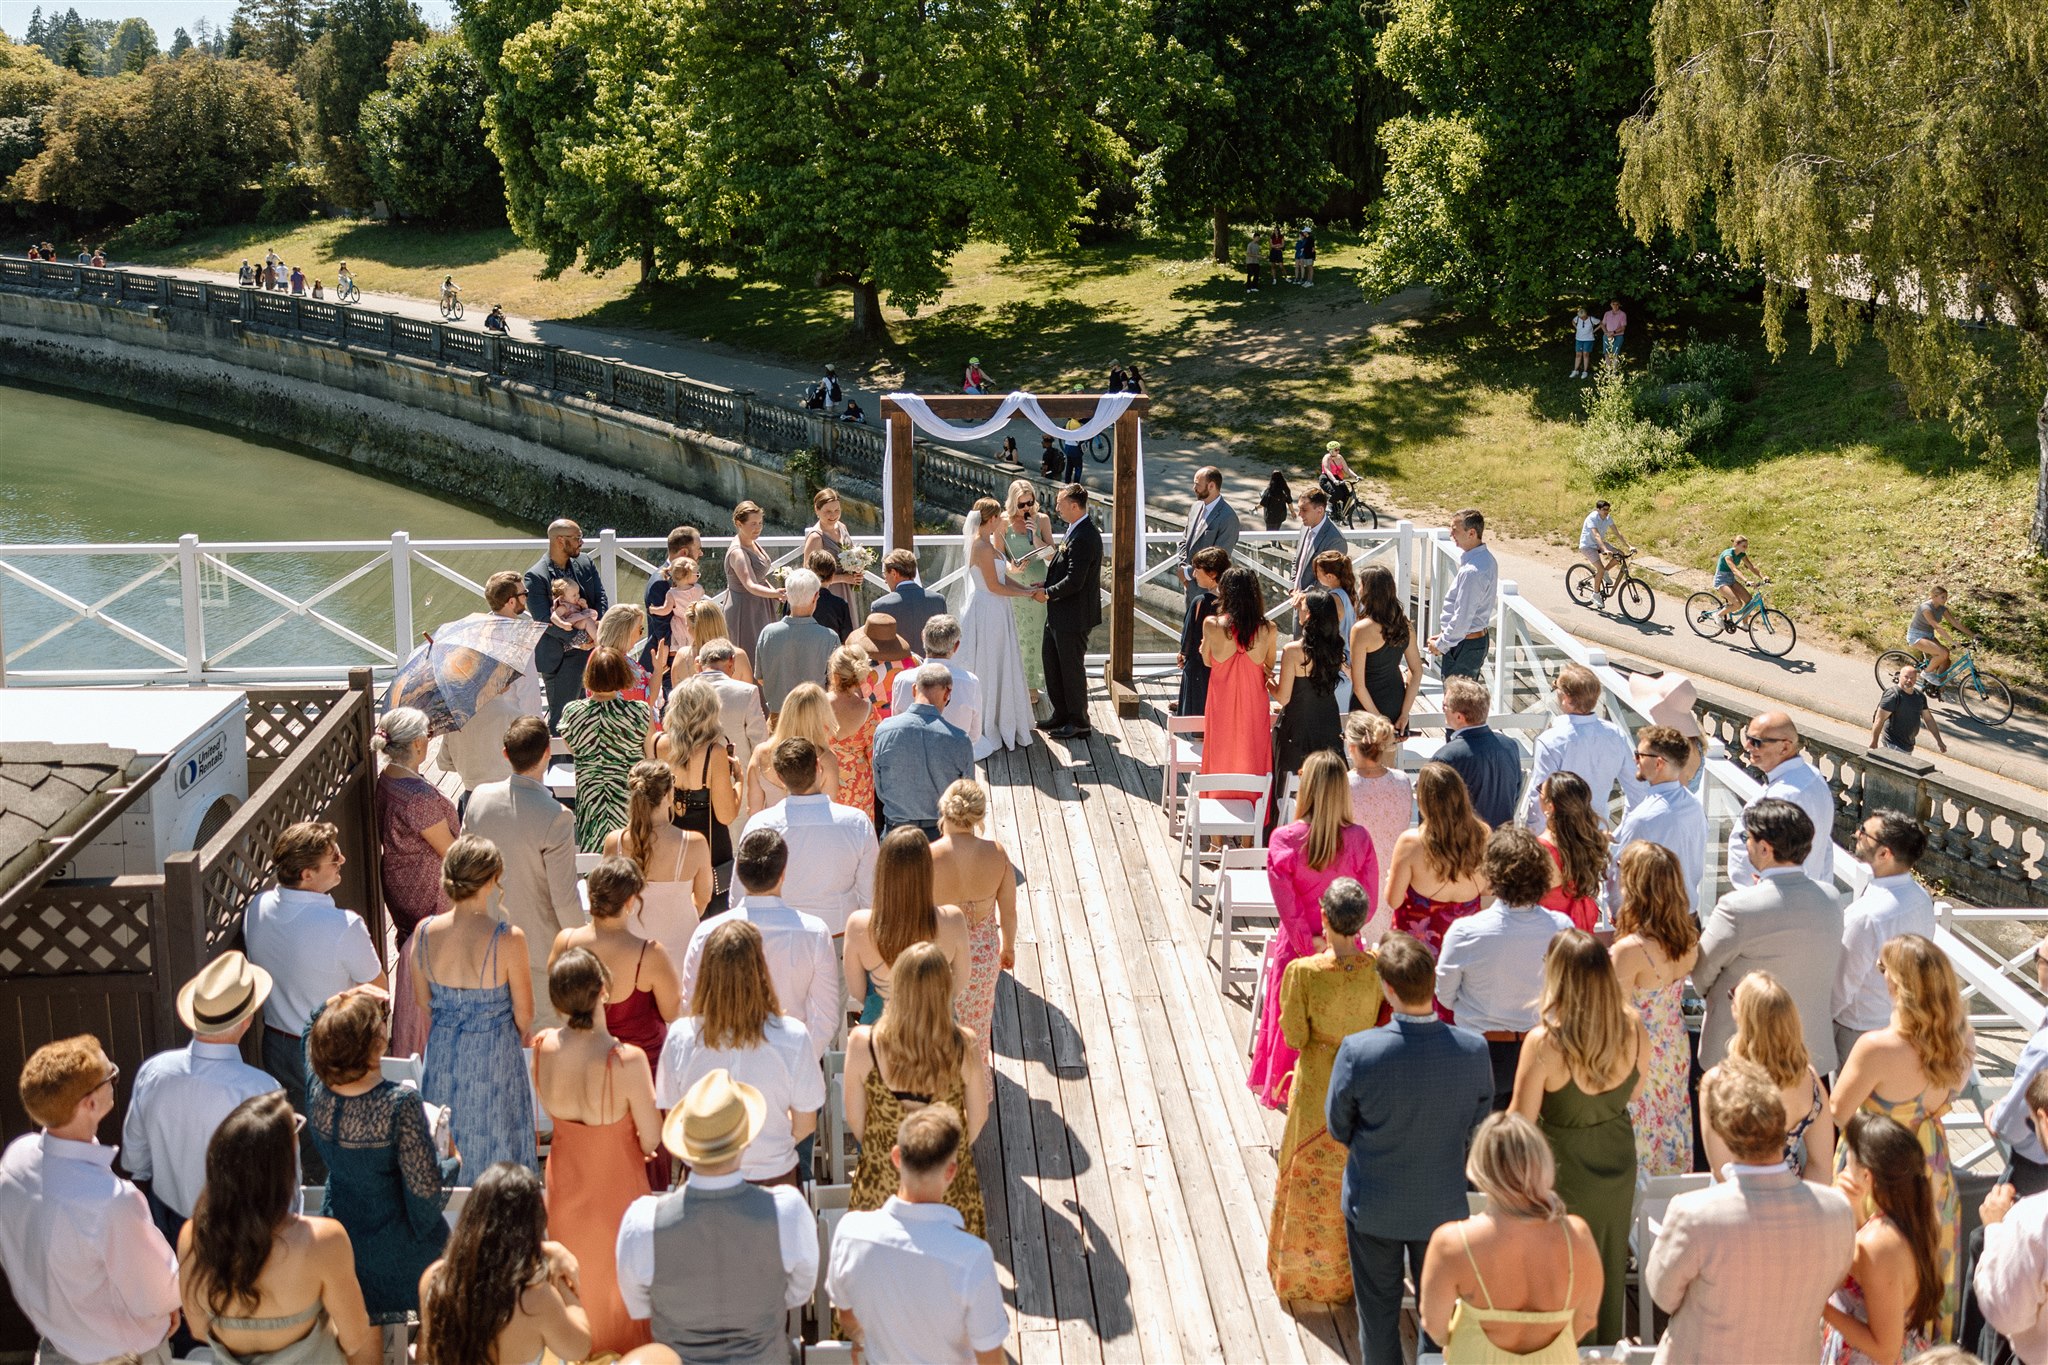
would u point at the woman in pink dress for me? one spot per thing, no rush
(1322, 844)
(1239, 645)
(1577, 844)
(1382, 796)
(415, 826)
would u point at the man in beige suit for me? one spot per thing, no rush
(1787, 924)
(740, 714)
(1745, 1267)
(537, 836)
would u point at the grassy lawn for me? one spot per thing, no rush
(1854, 506)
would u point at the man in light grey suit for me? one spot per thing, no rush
(740, 714)
(1211, 521)
(1744, 1266)
(536, 834)
(1787, 924)
(1318, 533)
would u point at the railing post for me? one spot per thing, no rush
(1503, 673)
(440, 341)
(390, 333)
(248, 314)
(205, 297)
(401, 593)
(3, 641)
(1404, 561)
(163, 290)
(671, 399)
(548, 367)
(610, 392)
(194, 610)
(608, 562)
(493, 364)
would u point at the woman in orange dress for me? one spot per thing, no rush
(856, 719)
(600, 1094)
(1239, 645)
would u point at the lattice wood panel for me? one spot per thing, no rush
(80, 930)
(280, 720)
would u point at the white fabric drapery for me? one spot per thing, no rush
(1108, 408)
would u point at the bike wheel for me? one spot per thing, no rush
(1365, 511)
(1890, 662)
(456, 313)
(1098, 450)
(1638, 599)
(1703, 614)
(1986, 698)
(1771, 631)
(1580, 585)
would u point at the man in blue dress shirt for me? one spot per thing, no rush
(918, 754)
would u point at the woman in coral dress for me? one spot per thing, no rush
(1303, 858)
(1655, 952)
(600, 1094)
(856, 719)
(1239, 645)
(1323, 1000)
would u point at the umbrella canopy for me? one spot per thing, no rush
(463, 666)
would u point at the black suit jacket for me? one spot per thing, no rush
(1491, 767)
(1073, 584)
(540, 604)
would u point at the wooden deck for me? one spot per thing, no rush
(1129, 1171)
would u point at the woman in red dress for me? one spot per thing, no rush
(1577, 844)
(1239, 645)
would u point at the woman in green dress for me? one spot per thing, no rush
(607, 733)
(1028, 529)
(1580, 1067)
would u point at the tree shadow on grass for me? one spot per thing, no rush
(420, 248)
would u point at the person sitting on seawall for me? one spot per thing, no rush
(494, 321)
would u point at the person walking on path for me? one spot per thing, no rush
(1901, 711)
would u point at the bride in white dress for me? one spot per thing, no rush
(988, 635)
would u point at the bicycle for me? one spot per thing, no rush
(1098, 447)
(1771, 631)
(350, 292)
(1347, 509)
(1638, 600)
(1983, 695)
(451, 305)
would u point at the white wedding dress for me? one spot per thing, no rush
(989, 650)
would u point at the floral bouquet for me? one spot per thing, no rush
(856, 559)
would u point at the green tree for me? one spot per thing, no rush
(33, 35)
(1500, 189)
(423, 136)
(181, 43)
(75, 57)
(181, 135)
(1257, 136)
(133, 44)
(1888, 163)
(342, 69)
(273, 31)
(29, 82)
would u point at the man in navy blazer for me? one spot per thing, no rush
(1487, 759)
(1405, 1100)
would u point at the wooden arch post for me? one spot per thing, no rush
(1126, 552)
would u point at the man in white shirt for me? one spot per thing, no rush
(716, 1264)
(476, 752)
(537, 836)
(2010, 1283)
(1598, 538)
(1771, 743)
(908, 1281)
(84, 1261)
(1577, 741)
(831, 871)
(801, 960)
(1893, 904)
(182, 1095)
(941, 640)
(1668, 814)
(740, 714)
(312, 949)
(1469, 603)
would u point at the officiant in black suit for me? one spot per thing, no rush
(1073, 598)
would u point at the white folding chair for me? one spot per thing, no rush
(1242, 911)
(830, 1201)
(1183, 758)
(399, 1070)
(1288, 793)
(1653, 1197)
(458, 1199)
(1209, 813)
(832, 1123)
(586, 863)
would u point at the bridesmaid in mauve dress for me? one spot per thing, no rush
(600, 1094)
(976, 874)
(755, 600)
(1239, 645)
(415, 826)
(830, 534)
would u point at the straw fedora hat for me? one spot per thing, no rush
(227, 990)
(877, 638)
(1667, 699)
(716, 1120)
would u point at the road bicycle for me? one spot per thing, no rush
(349, 292)
(451, 305)
(1638, 600)
(1984, 695)
(1770, 631)
(1098, 447)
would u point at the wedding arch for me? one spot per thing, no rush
(971, 416)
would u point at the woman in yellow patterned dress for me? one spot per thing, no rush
(913, 1056)
(1322, 999)
(855, 719)
(1910, 1071)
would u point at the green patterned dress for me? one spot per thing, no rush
(1030, 613)
(606, 737)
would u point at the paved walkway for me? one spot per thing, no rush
(1828, 690)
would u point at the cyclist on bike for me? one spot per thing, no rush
(450, 290)
(343, 281)
(494, 321)
(1600, 544)
(1923, 632)
(1335, 478)
(1736, 579)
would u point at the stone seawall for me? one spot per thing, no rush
(482, 439)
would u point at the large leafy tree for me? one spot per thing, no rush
(133, 44)
(341, 70)
(274, 32)
(1889, 161)
(423, 136)
(1500, 189)
(29, 83)
(179, 135)
(1257, 136)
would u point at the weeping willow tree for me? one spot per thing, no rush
(1889, 158)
